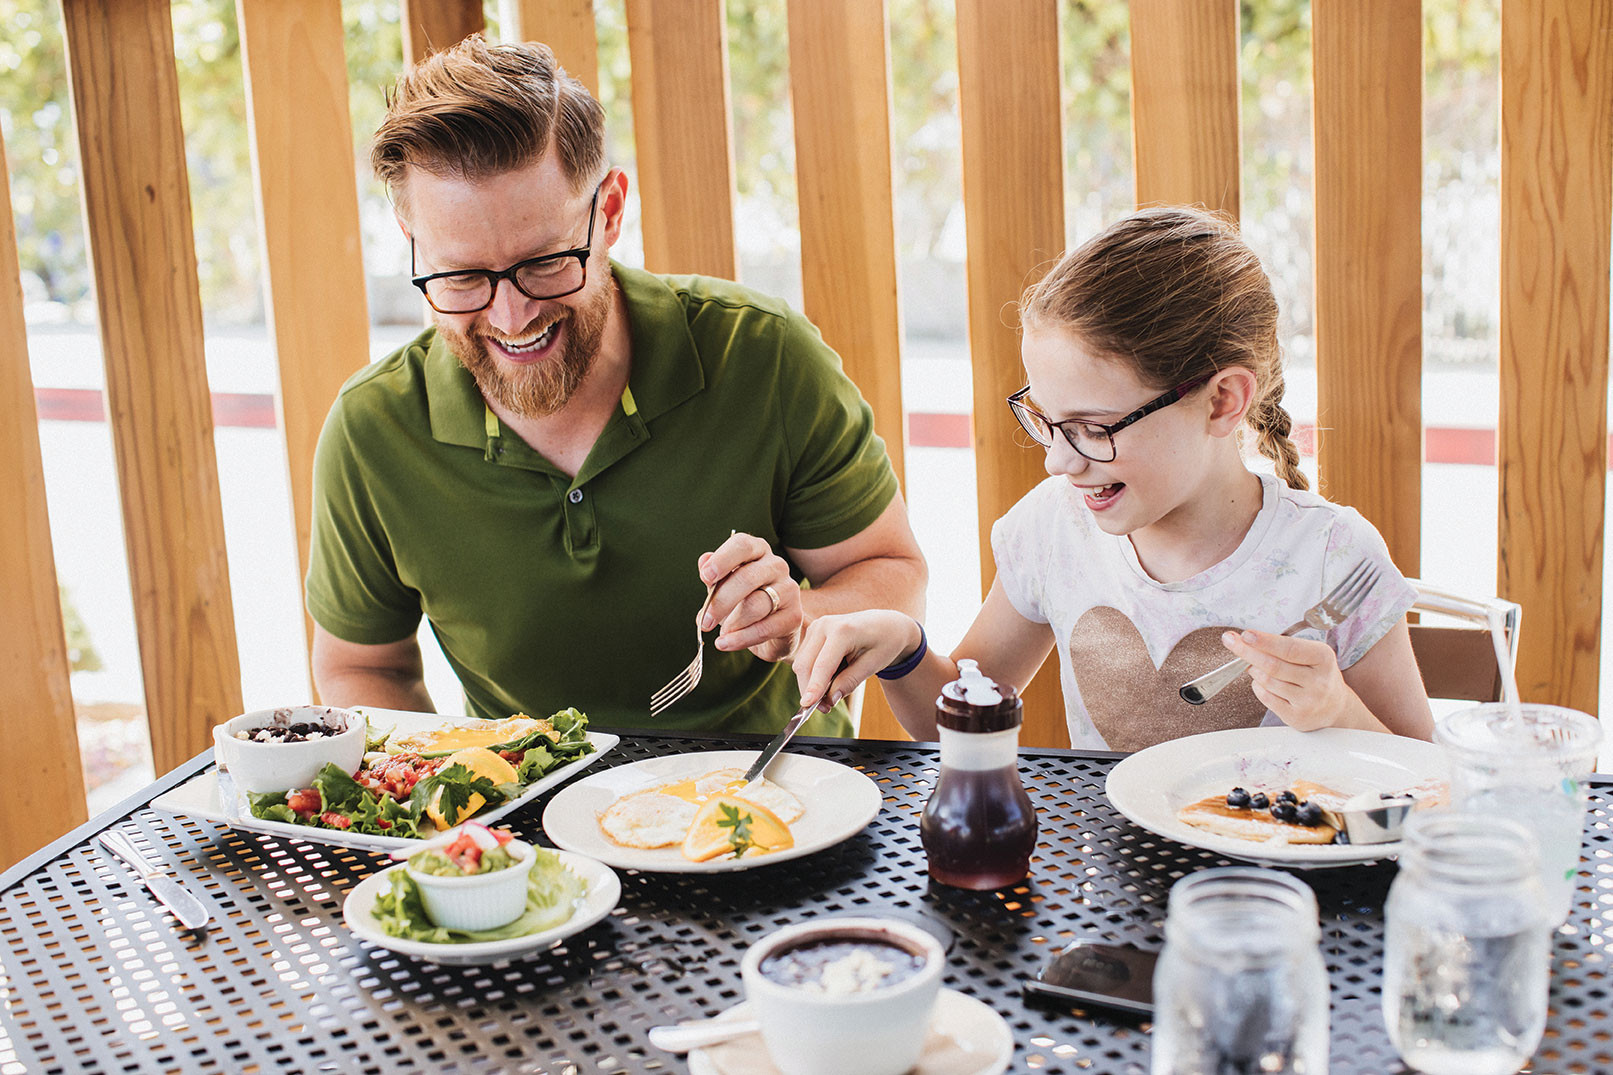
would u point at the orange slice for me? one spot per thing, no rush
(707, 839)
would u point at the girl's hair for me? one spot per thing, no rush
(1175, 293)
(476, 110)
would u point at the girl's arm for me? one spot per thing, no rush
(1299, 680)
(839, 652)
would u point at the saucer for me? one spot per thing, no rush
(965, 1038)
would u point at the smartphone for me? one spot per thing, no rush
(1096, 972)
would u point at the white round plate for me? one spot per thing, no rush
(966, 1037)
(838, 800)
(604, 889)
(1150, 786)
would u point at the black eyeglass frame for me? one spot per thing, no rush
(493, 276)
(1028, 416)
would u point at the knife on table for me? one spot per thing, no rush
(770, 751)
(168, 890)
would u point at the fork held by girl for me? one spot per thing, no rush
(1152, 551)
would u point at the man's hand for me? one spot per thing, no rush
(1298, 679)
(756, 601)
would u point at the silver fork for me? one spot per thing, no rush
(1326, 614)
(686, 680)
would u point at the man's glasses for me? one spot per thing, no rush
(552, 276)
(1093, 440)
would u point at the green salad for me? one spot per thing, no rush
(553, 894)
(394, 794)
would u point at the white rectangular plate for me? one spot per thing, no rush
(211, 796)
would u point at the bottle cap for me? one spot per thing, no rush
(974, 702)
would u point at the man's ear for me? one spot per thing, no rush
(1231, 393)
(403, 225)
(613, 200)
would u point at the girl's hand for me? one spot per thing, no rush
(839, 652)
(1298, 679)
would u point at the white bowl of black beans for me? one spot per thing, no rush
(284, 748)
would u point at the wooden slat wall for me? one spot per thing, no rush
(44, 783)
(432, 25)
(297, 96)
(684, 135)
(1368, 62)
(840, 84)
(1556, 206)
(1013, 200)
(125, 94)
(566, 26)
(1184, 103)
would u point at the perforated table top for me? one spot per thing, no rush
(95, 977)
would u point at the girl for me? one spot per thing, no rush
(1152, 554)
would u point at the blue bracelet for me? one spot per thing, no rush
(902, 668)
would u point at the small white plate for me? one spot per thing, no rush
(1150, 786)
(966, 1038)
(212, 796)
(838, 802)
(604, 889)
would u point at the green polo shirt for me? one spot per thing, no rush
(547, 591)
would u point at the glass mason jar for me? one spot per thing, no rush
(1240, 986)
(1467, 951)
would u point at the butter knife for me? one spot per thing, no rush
(190, 911)
(770, 751)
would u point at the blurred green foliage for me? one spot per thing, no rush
(1460, 181)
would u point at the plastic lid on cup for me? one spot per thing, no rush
(1525, 733)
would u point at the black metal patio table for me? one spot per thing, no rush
(95, 976)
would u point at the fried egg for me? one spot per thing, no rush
(467, 733)
(661, 816)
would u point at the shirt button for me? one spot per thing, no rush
(575, 496)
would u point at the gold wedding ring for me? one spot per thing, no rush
(772, 595)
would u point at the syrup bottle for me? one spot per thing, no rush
(979, 827)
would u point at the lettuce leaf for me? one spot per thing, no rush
(552, 896)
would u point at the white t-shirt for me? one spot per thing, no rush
(1126, 643)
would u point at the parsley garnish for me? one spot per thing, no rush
(740, 839)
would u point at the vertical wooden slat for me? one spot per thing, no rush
(1013, 200)
(1556, 205)
(302, 169)
(125, 94)
(684, 135)
(432, 25)
(1184, 103)
(1368, 64)
(840, 84)
(566, 26)
(43, 793)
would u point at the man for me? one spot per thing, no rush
(557, 469)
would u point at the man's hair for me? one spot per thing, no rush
(477, 110)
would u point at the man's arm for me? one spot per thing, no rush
(388, 676)
(879, 567)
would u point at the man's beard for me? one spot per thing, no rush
(544, 387)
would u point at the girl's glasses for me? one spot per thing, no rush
(1093, 440)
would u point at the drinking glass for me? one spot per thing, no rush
(1240, 986)
(1527, 763)
(1467, 948)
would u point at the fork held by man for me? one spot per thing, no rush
(1332, 610)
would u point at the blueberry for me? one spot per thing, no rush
(1285, 811)
(1238, 798)
(1287, 797)
(1309, 814)
(1259, 801)
(1341, 838)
